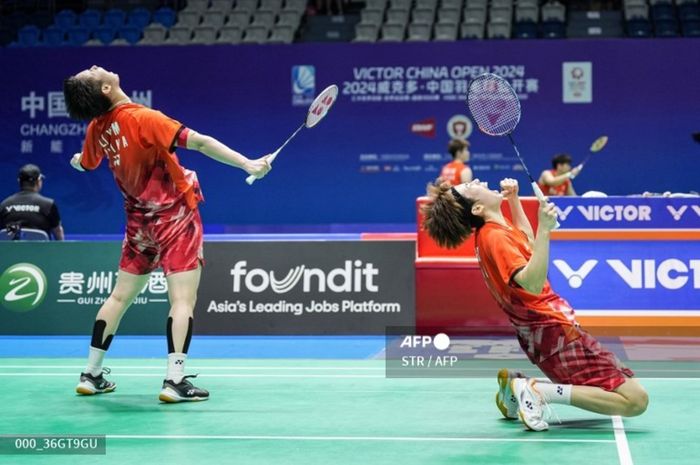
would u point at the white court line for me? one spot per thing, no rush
(349, 438)
(204, 367)
(302, 375)
(623, 448)
(293, 368)
(217, 375)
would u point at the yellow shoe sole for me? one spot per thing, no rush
(87, 392)
(502, 384)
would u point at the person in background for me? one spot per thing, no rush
(457, 171)
(28, 208)
(557, 181)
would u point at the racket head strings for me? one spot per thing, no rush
(494, 104)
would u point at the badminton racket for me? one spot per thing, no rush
(317, 111)
(496, 109)
(597, 145)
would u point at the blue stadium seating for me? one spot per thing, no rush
(115, 18)
(65, 19)
(105, 34)
(526, 30)
(639, 28)
(691, 28)
(28, 36)
(667, 28)
(90, 19)
(78, 35)
(139, 18)
(130, 34)
(54, 36)
(553, 30)
(689, 12)
(662, 12)
(165, 16)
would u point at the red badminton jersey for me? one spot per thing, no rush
(452, 172)
(555, 191)
(544, 322)
(140, 143)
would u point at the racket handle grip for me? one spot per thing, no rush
(540, 196)
(251, 179)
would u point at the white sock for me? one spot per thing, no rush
(176, 367)
(95, 358)
(554, 393)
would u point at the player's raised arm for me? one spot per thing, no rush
(509, 189)
(223, 154)
(549, 179)
(533, 276)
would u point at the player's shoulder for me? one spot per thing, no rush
(499, 234)
(136, 110)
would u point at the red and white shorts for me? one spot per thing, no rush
(172, 240)
(584, 362)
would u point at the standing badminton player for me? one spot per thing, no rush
(514, 263)
(163, 227)
(457, 171)
(557, 181)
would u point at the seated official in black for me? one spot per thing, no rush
(28, 208)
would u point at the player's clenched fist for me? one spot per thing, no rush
(509, 188)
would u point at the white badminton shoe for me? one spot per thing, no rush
(505, 399)
(90, 384)
(531, 406)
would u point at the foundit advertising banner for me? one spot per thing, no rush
(351, 287)
(246, 288)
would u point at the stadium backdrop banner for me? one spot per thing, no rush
(348, 287)
(387, 134)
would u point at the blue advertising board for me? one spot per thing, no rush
(386, 136)
(661, 277)
(628, 213)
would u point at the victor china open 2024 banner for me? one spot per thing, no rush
(386, 136)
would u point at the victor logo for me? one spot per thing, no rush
(563, 214)
(616, 212)
(646, 274)
(671, 273)
(575, 277)
(678, 213)
(352, 277)
(22, 287)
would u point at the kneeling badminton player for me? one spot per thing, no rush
(514, 263)
(163, 227)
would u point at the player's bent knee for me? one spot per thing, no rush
(638, 404)
(121, 299)
(183, 307)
